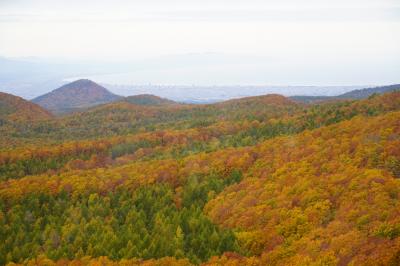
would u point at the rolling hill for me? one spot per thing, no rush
(268, 99)
(364, 93)
(148, 99)
(351, 95)
(79, 94)
(15, 108)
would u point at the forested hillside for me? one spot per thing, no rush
(254, 181)
(76, 95)
(13, 108)
(148, 99)
(354, 94)
(364, 93)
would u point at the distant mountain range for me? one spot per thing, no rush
(354, 94)
(364, 93)
(79, 94)
(84, 93)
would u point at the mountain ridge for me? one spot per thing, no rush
(364, 93)
(79, 94)
(148, 99)
(351, 95)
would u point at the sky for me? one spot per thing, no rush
(298, 41)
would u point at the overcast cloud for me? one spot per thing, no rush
(362, 34)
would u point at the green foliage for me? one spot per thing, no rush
(129, 148)
(145, 224)
(35, 166)
(390, 231)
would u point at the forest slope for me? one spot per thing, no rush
(14, 108)
(79, 94)
(254, 181)
(364, 93)
(186, 133)
(148, 99)
(317, 196)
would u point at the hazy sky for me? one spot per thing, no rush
(363, 36)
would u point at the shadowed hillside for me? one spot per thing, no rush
(351, 95)
(364, 93)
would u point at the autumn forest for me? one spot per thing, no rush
(263, 180)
